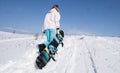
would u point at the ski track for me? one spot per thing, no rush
(91, 58)
(80, 57)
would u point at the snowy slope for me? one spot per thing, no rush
(80, 54)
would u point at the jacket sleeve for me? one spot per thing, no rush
(57, 20)
(43, 30)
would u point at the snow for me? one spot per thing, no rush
(80, 54)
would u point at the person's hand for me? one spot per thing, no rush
(44, 32)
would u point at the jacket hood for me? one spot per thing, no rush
(53, 10)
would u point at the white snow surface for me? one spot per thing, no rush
(80, 54)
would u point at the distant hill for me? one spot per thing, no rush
(13, 30)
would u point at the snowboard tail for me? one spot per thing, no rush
(43, 59)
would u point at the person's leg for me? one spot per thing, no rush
(52, 35)
(47, 33)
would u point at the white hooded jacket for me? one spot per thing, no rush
(52, 19)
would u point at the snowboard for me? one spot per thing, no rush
(45, 54)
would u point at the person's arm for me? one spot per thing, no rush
(43, 29)
(57, 20)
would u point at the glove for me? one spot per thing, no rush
(44, 32)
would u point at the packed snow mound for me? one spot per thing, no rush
(80, 54)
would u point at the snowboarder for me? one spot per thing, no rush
(51, 29)
(51, 25)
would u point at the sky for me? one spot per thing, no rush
(97, 17)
